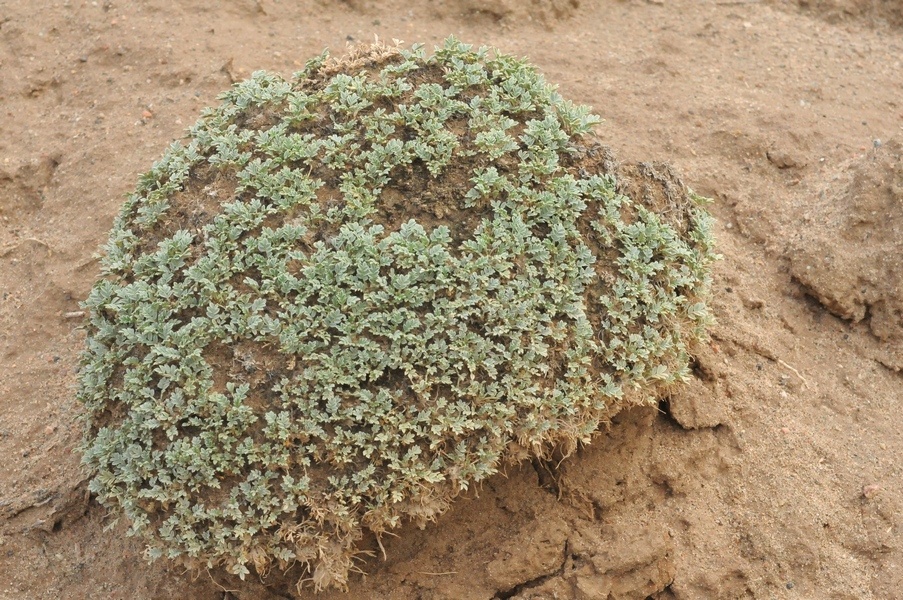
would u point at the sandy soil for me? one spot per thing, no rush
(774, 474)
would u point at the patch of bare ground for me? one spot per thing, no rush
(871, 12)
(850, 254)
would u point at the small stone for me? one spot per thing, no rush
(784, 160)
(753, 303)
(870, 491)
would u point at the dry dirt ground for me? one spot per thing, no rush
(776, 473)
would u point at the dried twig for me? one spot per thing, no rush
(12, 247)
(797, 373)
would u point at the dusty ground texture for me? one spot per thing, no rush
(774, 474)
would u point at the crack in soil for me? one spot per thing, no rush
(547, 472)
(536, 581)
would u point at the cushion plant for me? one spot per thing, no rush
(348, 296)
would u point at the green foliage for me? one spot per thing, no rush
(281, 355)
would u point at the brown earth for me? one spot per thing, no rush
(775, 473)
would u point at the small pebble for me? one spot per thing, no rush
(871, 490)
(789, 585)
(753, 303)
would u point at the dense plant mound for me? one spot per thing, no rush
(352, 295)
